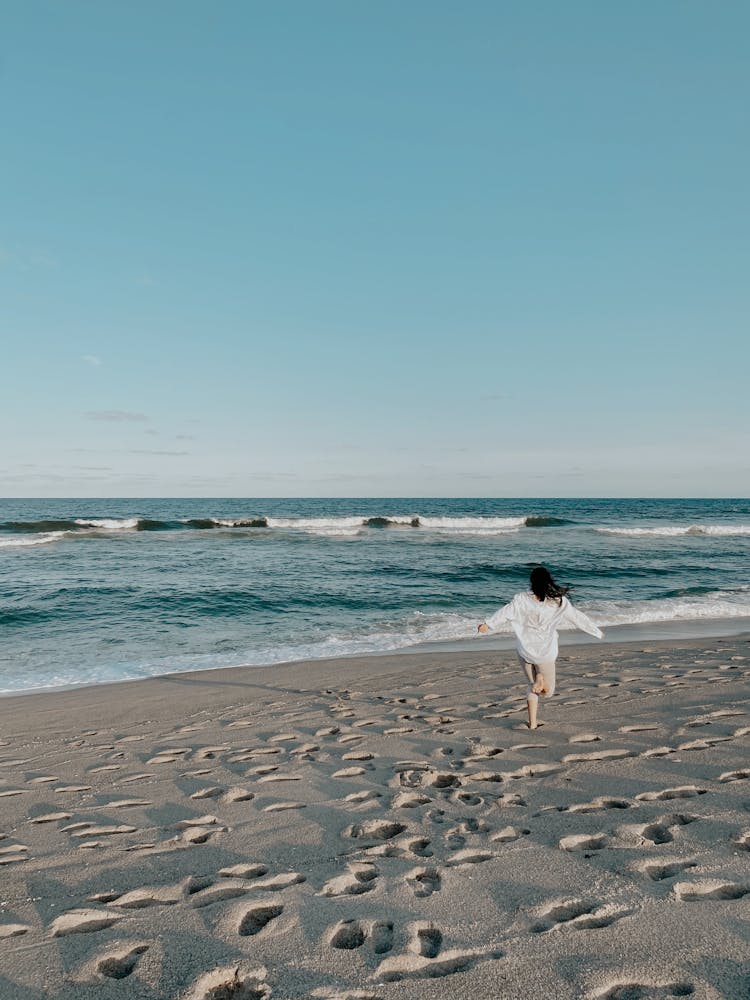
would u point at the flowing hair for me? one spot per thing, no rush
(543, 586)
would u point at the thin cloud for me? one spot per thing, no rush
(147, 451)
(117, 416)
(92, 359)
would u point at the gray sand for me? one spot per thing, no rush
(386, 828)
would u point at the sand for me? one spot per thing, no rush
(384, 828)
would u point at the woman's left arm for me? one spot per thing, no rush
(582, 621)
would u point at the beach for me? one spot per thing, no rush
(384, 827)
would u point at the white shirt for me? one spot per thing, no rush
(536, 623)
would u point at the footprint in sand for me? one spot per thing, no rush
(121, 962)
(348, 935)
(233, 981)
(643, 991)
(375, 829)
(82, 921)
(424, 957)
(13, 930)
(359, 879)
(468, 856)
(601, 802)
(584, 842)
(580, 914)
(508, 834)
(682, 792)
(614, 754)
(423, 881)
(137, 899)
(660, 832)
(710, 889)
(251, 920)
(658, 871)
(742, 775)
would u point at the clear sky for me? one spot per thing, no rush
(421, 248)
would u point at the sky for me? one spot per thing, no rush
(325, 248)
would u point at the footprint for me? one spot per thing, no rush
(743, 841)
(257, 916)
(381, 935)
(426, 941)
(710, 889)
(409, 800)
(424, 881)
(375, 829)
(244, 871)
(659, 832)
(508, 834)
(740, 775)
(226, 889)
(469, 856)
(360, 879)
(232, 982)
(601, 802)
(614, 754)
(643, 991)
(119, 964)
(682, 792)
(584, 842)
(13, 930)
(83, 921)
(348, 935)
(278, 882)
(50, 818)
(137, 899)
(660, 870)
(562, 913)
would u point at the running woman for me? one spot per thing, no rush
(535, 616)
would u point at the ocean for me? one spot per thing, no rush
(93, 591)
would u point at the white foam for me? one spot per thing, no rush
(315, 523)
(109, 524)
(676, 530)
(45, 539)
(465, 523)
(716, 604)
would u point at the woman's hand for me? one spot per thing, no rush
(484, 627)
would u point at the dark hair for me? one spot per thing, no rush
(543, 586)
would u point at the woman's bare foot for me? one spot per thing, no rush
(538, 687)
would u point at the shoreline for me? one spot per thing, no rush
(384, 827)
(304, 676)
(662, 631)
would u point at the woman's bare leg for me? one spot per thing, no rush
(532, 702)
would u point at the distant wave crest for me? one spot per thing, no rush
(677, 530)
(325, 526)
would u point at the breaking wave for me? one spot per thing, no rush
(327, 526)
(677, 530)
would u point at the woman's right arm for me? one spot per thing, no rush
(501, 616)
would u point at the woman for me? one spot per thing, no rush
(535, 616)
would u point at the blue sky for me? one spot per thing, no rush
(335, 248)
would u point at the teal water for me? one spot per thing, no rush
(101, 590)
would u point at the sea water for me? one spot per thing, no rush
(101, 590)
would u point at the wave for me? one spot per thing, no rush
(384, 637)
(345, 526)
(42, 539)
(677, 530)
